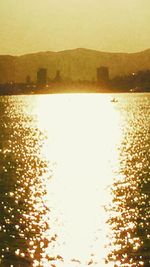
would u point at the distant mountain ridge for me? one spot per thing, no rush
(77, 64)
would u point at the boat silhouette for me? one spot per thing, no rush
(114, 100)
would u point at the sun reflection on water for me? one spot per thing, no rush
(74, 181)
(82, 134)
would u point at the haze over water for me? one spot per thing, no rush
(75, 180)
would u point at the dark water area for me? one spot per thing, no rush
(21, 190)
(130, 210)
(60, 157)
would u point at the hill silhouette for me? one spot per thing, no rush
(77, 64)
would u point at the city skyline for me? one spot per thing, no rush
(111, 26)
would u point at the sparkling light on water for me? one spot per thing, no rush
(82, 134)
(74, 186)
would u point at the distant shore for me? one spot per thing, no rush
(60, 88)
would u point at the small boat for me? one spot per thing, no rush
(114, 100)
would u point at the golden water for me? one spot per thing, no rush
(72, 172)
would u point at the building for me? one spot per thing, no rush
(103, 75)
(57, 77)
(42, 76)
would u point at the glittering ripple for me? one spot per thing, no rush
(23, 172)
(59, 157)
(130, 211)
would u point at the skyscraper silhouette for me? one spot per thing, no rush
(102, 75)
(42, 76)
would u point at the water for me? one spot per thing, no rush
(75, 180)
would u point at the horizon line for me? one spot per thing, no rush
(73, 49)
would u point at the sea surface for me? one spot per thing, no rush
(75, 180)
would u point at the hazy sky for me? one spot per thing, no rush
(108, 25)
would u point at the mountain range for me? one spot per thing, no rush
(77, 64)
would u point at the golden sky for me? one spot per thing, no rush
(28, 26)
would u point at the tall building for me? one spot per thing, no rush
(42, 76)
(103, 75)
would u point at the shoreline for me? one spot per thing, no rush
(72, 89)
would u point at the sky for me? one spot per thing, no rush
(28, 26)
